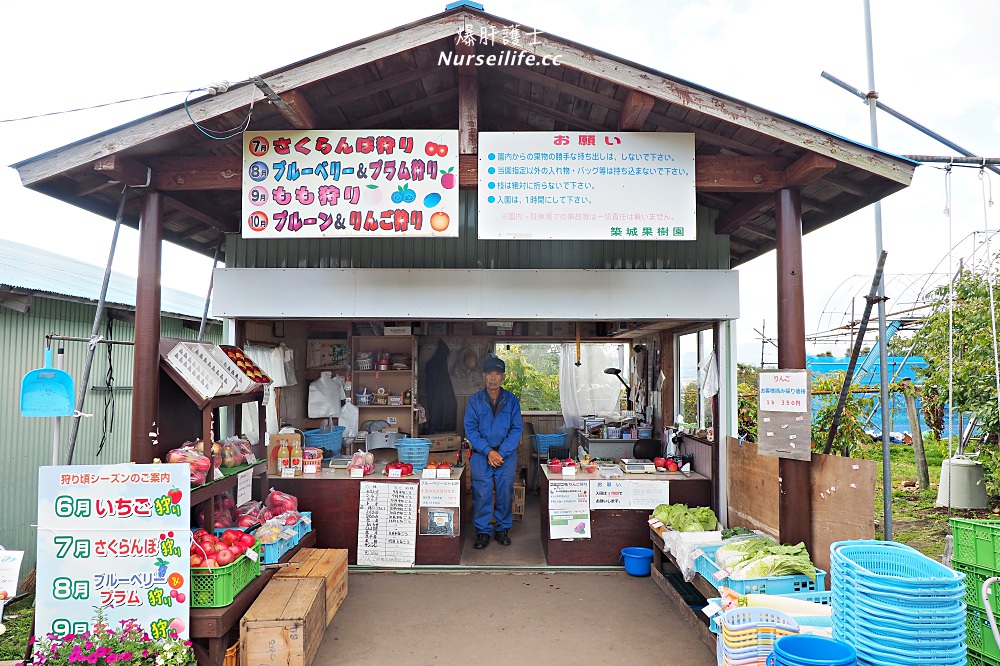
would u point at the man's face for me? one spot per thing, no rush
(493, 379)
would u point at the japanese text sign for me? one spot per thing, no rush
(784, 414)
(117, 537)
(586, 186)
(350, 184)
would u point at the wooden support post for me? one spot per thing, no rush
(146, 365)
(795, 498)
(923, 477)
(468, 100)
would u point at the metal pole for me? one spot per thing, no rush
(208, 296)
(883, 354)
(909, 121)
(98, 317)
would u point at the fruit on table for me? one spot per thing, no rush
(660, 463)
(671, 465)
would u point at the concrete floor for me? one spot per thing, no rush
(502, 618)
(485, 617)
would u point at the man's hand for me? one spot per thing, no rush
(494, 459)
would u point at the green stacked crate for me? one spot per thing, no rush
(977, 555)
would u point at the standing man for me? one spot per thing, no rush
(493, 427)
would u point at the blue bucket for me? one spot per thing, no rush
(811, 650)
(638, 561)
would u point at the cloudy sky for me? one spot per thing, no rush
(932, 63)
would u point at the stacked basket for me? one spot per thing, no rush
(414, 450)
(748, 635)
(896, 606)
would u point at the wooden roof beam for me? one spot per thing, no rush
(808, 169)
(717, 173)
(405, 109)
(124, 170)
(749, 208)
(468, 99)
(297, 110)
(196, 214)
(634, 111)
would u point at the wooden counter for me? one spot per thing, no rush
(614, 529)
(334, 499)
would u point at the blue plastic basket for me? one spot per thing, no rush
(541, 443)
(413, 450)
(820, 597)
(325, 439)
(706, 566)
(304, 524)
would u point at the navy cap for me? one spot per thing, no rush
(493, 363)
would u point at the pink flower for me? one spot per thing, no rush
(145, 653)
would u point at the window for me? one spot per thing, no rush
(695, 353)
(534, 371)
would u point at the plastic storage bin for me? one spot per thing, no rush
(541, 443)
(320, 439)
(706, 566)
(212, 588)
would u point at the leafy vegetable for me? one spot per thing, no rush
(706, 517)
(775, 565)
(740, 550)
(679, 517)
(731, 532)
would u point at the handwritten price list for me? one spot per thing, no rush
(387, 524)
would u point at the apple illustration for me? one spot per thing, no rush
(448, 178)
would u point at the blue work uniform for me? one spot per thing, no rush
(488, 428)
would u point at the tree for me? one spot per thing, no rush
(746, 389)
(851, 430)
(533, 375)
(974, 383)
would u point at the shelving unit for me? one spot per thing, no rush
(394, 382)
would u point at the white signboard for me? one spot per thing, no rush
(350, 184)
(586, 186)
(784, 391)
(569, 495)
(387, 524)
(650, 494)
(440, 492)
(10, 571)
(569, 524)
(610, 494)
(117, 537)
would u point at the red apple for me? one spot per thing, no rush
(229, 537)
(236, 549)
(211, 563)
(196, 561)
(247, 540)
(224, 557)
(660, 462)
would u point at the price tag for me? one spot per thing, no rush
(444, 473)
(651, 521)
(306, 519)
(250, 459)
(310, 468)
(288, 473)
(357, 473)
(243, 480)
(252, 554)
(569, 471)
(720, 574)
(696, 553)
(428, 473)
(656, 523)
(712, 609)
(395, 473)
(391, 420)
(217, 474)
(288, 533)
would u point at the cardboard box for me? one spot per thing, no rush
(445, 441)
(274, 444)
(285, 624)
(518, 507)
(325, 353)
(398, 330)
(326, 564)
(443, 456)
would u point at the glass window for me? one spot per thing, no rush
(695, 352)
(533, 374)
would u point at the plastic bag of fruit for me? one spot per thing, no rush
(279, 502)
(363, 460)
(290, 517)
(200, 464)
(271, 531)
(231, 454)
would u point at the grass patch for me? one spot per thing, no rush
(17, 618)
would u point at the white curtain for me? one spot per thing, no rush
(586, 389)
(273, 361)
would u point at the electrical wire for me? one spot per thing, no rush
(987, 202)
(96, 106)
(109, 396)
(220, 135)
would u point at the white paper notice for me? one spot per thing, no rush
(569, 524)
(387, 524)
(243, 480)
(610, 494)
(650, 494)
(569, 495)
(439, 492)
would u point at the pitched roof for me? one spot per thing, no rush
(27, 269)
(395, 79)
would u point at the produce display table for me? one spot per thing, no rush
(334, 499)
(614, 529)
(214, 624)
(664, 564)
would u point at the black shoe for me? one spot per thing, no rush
(483, 540)
(502, 538)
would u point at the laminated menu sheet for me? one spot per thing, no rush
(387, 524)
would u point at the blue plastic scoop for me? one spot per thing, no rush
(47, 392)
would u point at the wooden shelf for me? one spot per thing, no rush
(376, 372)
(208, 491)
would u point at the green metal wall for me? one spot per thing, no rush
(26, 443)
(467, 251)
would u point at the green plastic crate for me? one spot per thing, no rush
(975, 576)
(213, 588)
(978, 659)
(977, 542)
(979, 635)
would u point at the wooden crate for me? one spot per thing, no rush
(518, 508)
(445, 441)
(326, 564)
(285, 625)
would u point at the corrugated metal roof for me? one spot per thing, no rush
(35, 269)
